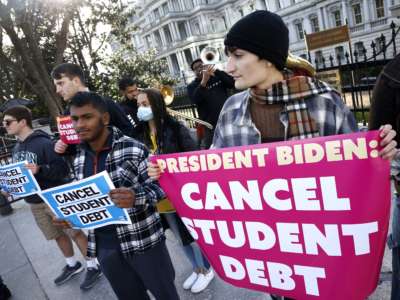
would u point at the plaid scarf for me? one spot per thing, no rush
(293, 92)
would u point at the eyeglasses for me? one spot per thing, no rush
(8, 122)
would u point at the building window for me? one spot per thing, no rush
(188, 56)
(314, 23)
(189, 4)
(176, 5)
(378, 45)
(148, 41)
(221, 53)
(196, 28)
(337, 18)
(213, 25)
(359, 47)
(318, 57)
(165, 8)
(241, 12)
(380, 8)
(157, 37)
(339, 53)
(138, 41)
(201, 47)
(224, 22)
(167, 34)
(182, 30)
(175, 64)
(278, 4)
(299, 30)
(357, 15)
(156, 14)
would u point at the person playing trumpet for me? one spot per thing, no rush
(209, 91)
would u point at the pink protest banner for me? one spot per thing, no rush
(66, 129)
(304, 219)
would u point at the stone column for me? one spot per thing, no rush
(193, 50)
(344, 12)
(188, 28)
(321, 13)
(163, 39)
(181, 60)
(169, 63)
(176, 31)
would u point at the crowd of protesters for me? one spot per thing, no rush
(273, 105)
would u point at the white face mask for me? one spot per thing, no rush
(144, 113)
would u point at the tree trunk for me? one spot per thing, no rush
(33, 65)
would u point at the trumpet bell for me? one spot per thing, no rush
(168, 94)
(299, 64)
(209, 56)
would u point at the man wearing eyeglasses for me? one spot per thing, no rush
(50, 170)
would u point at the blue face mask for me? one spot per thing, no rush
(144, 113)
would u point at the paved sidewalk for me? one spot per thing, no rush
(29, 264)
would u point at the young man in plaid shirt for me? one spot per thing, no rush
(134, 257)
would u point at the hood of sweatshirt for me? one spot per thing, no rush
(31, 148)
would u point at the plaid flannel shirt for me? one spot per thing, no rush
(127, 166)
(235, 127)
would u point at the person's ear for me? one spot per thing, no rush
(76, 80)
(106, 118)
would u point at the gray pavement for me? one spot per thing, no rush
(29, 264)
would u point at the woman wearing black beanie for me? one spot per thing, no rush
(275, 105)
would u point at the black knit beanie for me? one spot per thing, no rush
(262, 33)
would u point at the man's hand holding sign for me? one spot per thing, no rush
(123, 197)
(89, 203)
(33, 167)
(284, 218)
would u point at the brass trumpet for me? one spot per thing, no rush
(297, 63)
(209, 56)
(168, 94)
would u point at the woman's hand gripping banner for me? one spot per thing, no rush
(304, 219)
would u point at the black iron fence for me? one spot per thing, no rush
(6, 146)
(356, 71)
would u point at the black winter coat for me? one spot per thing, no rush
(175, 138)
(211, 98)
(38, 148)
(385, 105)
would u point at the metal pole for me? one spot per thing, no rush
(354, 99)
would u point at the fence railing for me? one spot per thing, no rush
(188, 110)
(6, 146)
(359, 69)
